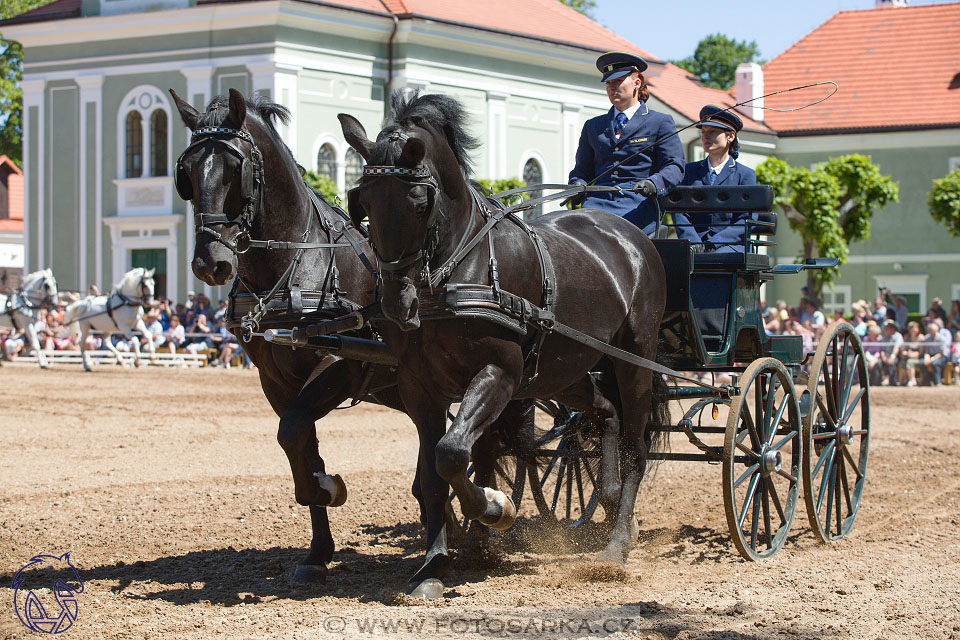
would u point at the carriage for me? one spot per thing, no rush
(792, 417)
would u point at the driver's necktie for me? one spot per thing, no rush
(621, 122)
(712, 177)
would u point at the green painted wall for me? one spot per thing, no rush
(904, 227)
(90, 205)
(64, 184)
(32, 135)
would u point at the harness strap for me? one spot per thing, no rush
(110, 309)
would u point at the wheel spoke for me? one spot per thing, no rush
(787, 438)
(770, 426)
(849, 380)
(838, 475)
(845, 484)
(827, 476)
(792, 479)
(746, 474)
(825, 412)
(751, 427)
(570, 467)
(583, 507)
(831, 485)
(561, 470)
(546, 471)
(853, 405)
(747, 450)
(853, 465)
(823, 457)
(830, 378)
(842, 381)
(776, 421)
(755, 522)
(748, 498)
(765, 503)
(772, 489)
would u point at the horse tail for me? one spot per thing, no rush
(71, 317)
(657, 434)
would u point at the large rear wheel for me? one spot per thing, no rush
(836, 433)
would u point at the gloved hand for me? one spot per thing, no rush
(576, 200)
(646, 187)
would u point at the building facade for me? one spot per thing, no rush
(101, 134)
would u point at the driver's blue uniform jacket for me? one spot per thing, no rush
(600, 149)
(723, 232)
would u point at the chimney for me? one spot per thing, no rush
(749, 85)
(890, 4)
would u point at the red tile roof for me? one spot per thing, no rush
(897, 68)
(57, 10)
(14, 178)
(676, 88)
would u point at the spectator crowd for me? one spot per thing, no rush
(898, 351)
(193, 326)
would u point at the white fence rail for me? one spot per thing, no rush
(104, 357)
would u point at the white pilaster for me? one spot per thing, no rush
(91, 89)
(286, 85)
(33, 92)
(199, 80)
(571, 137)
(497, 135)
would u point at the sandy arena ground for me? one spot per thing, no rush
(175, 502)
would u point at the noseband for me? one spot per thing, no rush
(251, 187)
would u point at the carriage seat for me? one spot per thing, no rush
(730, 261)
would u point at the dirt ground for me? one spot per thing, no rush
(175, 502)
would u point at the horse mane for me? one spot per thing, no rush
(434, 112)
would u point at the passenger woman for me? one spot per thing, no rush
(716, 232)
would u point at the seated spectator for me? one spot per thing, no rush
(953, 320)
(200, 338)
(935, 354)
(175, 335)
(13, 345)
(911, 355)
(808, 312)
(879, 310)
(899, 307)
(228, 344)
(872, 353)
(955, 358)
(937, 311)
(203, 306)
(890, 354)
(771, 321)
(154, 329)
(221, 312)
(181, 312)
(190, 301)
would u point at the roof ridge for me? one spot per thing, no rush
(559, 7)
(392, 5)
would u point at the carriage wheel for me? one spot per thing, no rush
(836, 433)
(564, 482)
(761, 459)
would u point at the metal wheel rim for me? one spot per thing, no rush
(829, 449)
(759, 495)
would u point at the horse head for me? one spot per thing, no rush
(414, 179)
(222, 173)
(40, 287)
(138, 285)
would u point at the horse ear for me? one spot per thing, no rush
(149, 272)
(238, 107)
(355, 135)
(189, 115)
(413, 153)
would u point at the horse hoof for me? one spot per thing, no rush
(508, 511)
(610, 556)
(309, 574)
(634, 531)
(429, 589)
(333, 485)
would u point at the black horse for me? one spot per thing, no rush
(218, 172)
(609, 283)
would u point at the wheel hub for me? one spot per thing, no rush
(845, 434)
(772, 462)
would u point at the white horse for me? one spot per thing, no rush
(21, 310)
(120, 311)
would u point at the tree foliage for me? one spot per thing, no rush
(716, 58)
(11, 70)
(322, 185)
(585, 7)
(943, 200)
(491, 187)
(830, 207)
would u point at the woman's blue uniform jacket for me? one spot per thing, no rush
(600, 149)
(707, 226)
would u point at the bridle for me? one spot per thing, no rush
(251, 187)
(133, 302)
(394, 270)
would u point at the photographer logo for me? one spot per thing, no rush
(45, 593)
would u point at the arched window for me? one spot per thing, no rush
(533, 174)
(134, 145)
(143, 134)
(354, 168)
(326, 162)
(158, 143)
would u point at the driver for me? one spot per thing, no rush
(617, 135)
